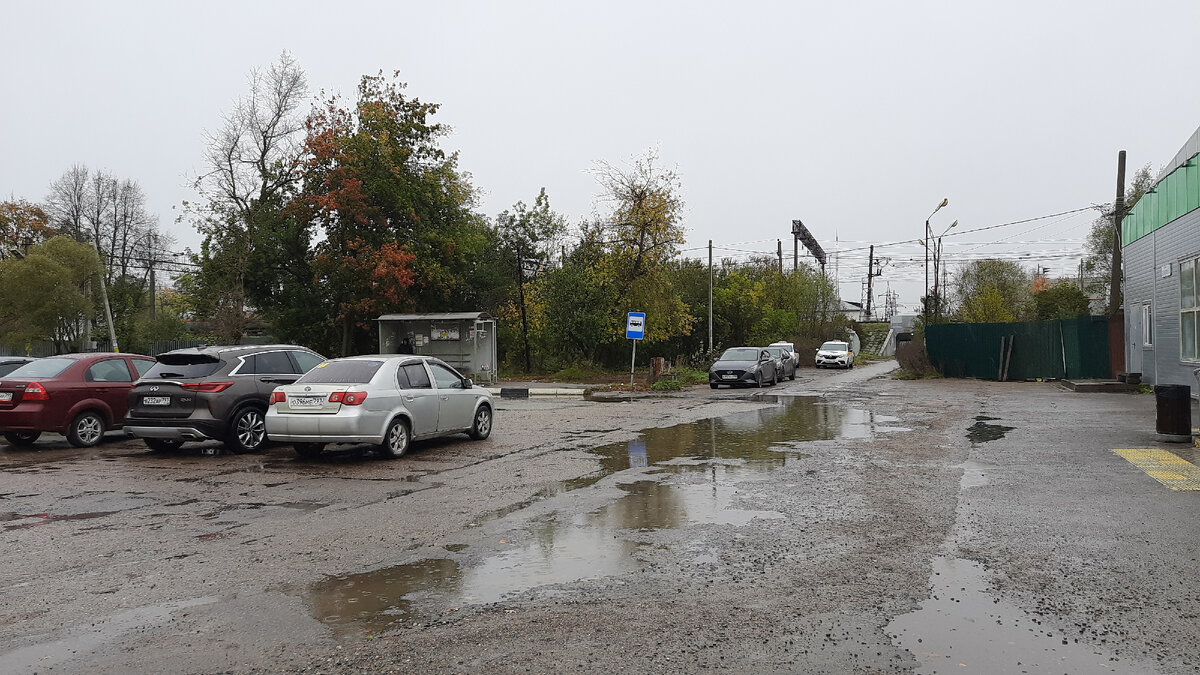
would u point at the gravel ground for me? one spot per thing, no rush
(802, 531)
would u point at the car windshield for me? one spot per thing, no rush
(184, 366)
(349, 371)
(42, 368)
(740, 354)
(775, 351)
(835, 347)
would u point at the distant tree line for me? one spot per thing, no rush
(92, 238)
(317, 217)
(320, 222)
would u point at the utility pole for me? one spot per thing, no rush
(795, 253)
(779, 249)
(710, 290)
(1115, 300)
(872, 272)
(112, 332)
(870, 276)
(153, 256)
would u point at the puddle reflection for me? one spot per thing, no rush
(603, 543)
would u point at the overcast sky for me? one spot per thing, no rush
(857, 118)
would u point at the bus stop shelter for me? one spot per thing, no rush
(465, 340)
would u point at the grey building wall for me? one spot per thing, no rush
(1144, 262)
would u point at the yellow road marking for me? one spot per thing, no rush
(1164, 467)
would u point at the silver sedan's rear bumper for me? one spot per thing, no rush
(321, 428)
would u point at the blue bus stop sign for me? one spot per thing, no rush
(635, 326)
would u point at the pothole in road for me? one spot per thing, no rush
(982, 432)
(963, 628)
(728, 451)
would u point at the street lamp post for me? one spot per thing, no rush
(925, 303)
(937, 259)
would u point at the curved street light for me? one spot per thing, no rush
(925, 300)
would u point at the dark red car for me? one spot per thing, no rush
(78, 395)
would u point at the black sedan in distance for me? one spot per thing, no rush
(743, 366)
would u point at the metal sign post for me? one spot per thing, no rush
(635, 329)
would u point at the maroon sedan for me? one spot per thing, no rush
(78, 395)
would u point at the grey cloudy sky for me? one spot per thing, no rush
(856, 117)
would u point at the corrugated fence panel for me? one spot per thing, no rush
(1085, 339)
(1047, 349)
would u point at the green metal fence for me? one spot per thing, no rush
(1065, 348)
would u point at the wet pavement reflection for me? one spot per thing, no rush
(710, 458)
(964, 629)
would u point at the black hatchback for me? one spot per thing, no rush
(222, 393)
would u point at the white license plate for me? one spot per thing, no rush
(5, 395)
(729, 377)
(305, 402)
(156, 400)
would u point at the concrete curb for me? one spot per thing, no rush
(526, 392)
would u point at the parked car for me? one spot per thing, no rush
(78, 395)
(751, 366)
(791, 348)
(835, 353)
(783, 362)
(387, 400)
(11, 363)
(221, 392)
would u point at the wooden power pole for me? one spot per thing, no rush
(1115, 301)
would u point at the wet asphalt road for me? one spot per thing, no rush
(843, 523)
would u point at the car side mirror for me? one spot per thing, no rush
(467, 383)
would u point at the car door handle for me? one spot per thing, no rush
(445, 398)
(410, 397)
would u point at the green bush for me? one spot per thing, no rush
(687, 376)
(667, 385)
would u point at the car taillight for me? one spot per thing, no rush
(348, 398)
(206, 387)
(34, 391)
(278, 397)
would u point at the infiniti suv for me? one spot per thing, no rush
(221, 393)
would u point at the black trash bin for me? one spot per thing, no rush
(1173, 403)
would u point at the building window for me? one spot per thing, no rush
(1188, 309)
(1147, 325)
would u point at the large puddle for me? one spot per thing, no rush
(709, 457)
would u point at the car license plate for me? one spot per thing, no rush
(5, 396)
(729, 377)
(156, 400)
(305, 402)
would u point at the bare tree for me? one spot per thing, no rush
(67, 202)
(110, 215)
(253, 164)
(256, 153)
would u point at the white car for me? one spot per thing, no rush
(791, 348)
(386, 400)
(835, 353)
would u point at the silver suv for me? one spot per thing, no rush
(222, 393)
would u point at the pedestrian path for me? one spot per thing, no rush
(1165, 467)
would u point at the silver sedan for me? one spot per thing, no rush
(387, 400)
